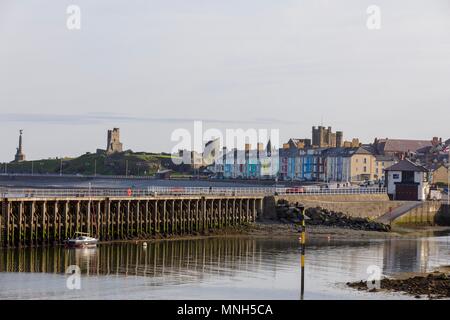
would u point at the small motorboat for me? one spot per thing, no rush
(81, 240)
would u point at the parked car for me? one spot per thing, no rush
(435, 194)
(295, 190)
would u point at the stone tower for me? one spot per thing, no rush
(20, 156)
(325, 138)
(339, 139)
(114, 144)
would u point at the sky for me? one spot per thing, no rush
(150, 67)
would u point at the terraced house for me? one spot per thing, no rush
(320, 160)
(312, 164)
(246, 164)
(362, 165)
(349, 164)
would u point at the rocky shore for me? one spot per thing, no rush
(290, 213)
(433, 285)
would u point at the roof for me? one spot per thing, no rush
(298, 141)
(289, 153)
(406, 165)
(380, 157)
(361, 150)
(345, 152)
(436, 166)
(424, 150)
(369, 147)
(401, 145)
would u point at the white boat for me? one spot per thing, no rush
(81, 240)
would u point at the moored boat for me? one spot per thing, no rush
(81, 240)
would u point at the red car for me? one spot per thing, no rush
(295, 190)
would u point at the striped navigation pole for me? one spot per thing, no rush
(302, 248)
(448, 179)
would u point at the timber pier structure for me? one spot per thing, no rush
(43, 216)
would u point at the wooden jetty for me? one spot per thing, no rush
(35, 218)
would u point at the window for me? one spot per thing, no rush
(408, 176)
(365, 161)
(365, 169)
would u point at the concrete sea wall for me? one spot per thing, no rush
(367, 206)
(429, 213)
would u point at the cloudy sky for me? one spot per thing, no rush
(152, 66)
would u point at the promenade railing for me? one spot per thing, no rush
(180, 191)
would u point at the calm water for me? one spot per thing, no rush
(218, 268)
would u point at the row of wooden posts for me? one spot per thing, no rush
(158, 259)
(43, 221)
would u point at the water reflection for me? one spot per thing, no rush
(215, 268)
(187, 257)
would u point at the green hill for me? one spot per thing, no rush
(137, 163)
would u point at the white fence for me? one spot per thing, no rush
(181, 191)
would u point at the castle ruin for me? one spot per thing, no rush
(324, 138)
(114, 145)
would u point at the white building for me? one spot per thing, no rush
(406, 180)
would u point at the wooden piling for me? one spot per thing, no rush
(37, 221)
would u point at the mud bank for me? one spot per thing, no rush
(273, 229)
(434, 285)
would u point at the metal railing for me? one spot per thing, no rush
(180, 191)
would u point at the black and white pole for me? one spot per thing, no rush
(302, 250)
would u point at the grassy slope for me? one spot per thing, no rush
(138, 164)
